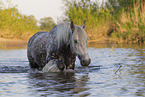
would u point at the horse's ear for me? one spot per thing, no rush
(83, 26)
(72, 26)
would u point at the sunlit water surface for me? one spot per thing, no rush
(100, 80)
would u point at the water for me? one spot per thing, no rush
(99, 80)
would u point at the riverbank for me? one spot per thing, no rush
(12, 42)
(20, 42)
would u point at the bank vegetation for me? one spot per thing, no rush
(117, 21)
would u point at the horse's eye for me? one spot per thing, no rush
(75, 41)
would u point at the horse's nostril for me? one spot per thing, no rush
(85, 62)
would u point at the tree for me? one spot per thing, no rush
(118, 5)
(47, 23)
(14, 24)
(123, 19)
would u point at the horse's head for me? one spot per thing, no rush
(79, 43)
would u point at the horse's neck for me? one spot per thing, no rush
(64, 49)
(67, 55)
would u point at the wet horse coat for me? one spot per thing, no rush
(57, 44)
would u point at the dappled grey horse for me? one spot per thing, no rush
(63, 43)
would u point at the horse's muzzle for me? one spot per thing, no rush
(85, 63)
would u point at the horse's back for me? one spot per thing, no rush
(34, 36)
(41, 34)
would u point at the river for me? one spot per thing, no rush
(116, 70)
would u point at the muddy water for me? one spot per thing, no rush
(100, 80)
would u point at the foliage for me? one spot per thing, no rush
(13, 24)
(131, 25)
(98, 20)
(47, 23)
(119, 20)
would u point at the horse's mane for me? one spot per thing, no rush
(63, 33)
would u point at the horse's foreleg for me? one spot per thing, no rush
(59, 62)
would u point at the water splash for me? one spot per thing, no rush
(14, 69)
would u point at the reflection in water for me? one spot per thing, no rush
(60, 84)
(99, 81)
(138, 70)
(12, 47)
(140, 79)
(134, 67)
